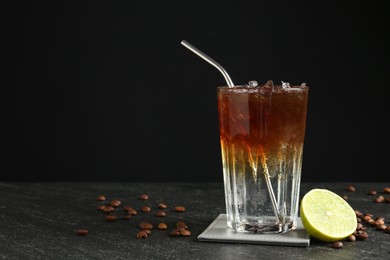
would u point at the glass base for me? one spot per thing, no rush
(256, 226)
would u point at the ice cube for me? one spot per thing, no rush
(285, 84)
(252, 84)
(269, 84)
(267, 88)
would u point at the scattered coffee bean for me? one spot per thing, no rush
(381, 227)
(127, 208)
(145, 209)
(180, 209)
(345, 197)
(115, 203)
(350, 188)
(108, 209)
(132, 212)
(162, 226)
(147, 231)
(379, 199)
(359, 220)
(161, 213)
(367, 218)
(144, 197)
(142, 234)
(387, 230)
(380, 221)
(359, 226)
(101, 207)
(337, 245)
(101, 198)
(162, 206)
(351, 238)
(372, 192)
(110, 218)
(185, 233)
(175, 233)
(386, 190)
(361, 236)
(145, 225)
(372, 222)
(358, 213)
(82, 232)
(368, 214)
(181, 224)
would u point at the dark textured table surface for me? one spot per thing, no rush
(38, 221)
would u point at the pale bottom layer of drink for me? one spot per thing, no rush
(261, 188)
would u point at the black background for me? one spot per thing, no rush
(103, 91)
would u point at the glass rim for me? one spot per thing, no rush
(237, 87)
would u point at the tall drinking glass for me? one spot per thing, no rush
(262, 133)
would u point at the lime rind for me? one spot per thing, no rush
(326, 216)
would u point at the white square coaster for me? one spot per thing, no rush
(218, 231)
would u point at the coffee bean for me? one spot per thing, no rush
(372, 192)
(162, 226)
(180, 209)
(161, 213)
(101, 207)
(101, 198)
(380, 221)
(127, 208)
(387, 230)
(115, 203)
(132, 212)
(386, 190)
(369, 215)
(185, 233)
(145, 225)
(174, 233)
(82, 232)
(372, 222)
(142, 234)
(145, 209)
(351, 238)
(367, 218)
(381, 227)
(350, 188)
(379, 199)
(180, 228)
(337, 245)
(181, 224)
(358, 214)
(345, 197)
(147, 231)
(110, 218)
(361, 236)
(108, 209)
(162, 206)
(144, 197)
(359, 226)
(387, 199)
(359, 220)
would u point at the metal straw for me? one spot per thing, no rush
(209, 60)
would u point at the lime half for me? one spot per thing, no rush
(326, 216)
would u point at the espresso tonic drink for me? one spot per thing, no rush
(262, 131)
